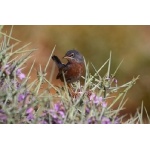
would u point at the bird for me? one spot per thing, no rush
(73, 69)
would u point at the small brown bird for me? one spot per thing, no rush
(74, 68)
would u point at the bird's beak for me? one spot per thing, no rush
(66, 57)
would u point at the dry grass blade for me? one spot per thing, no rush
(10, 37)
(147, 115)
(49, 59)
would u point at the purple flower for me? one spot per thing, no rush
(53, 113)
(116, 81)
(59, 109)
(92, 120)
(20, 75)
(92, 96)
(3, 116)
(98, 100)
(57, 113)
(21, 97)
(29, 110)
(18, 71)
(30, 113)
(104, 104)
(30, 117)
(62, 114)
(105, 120)
(57, 121)
(57, 106)
(87, 110)
(117, 121)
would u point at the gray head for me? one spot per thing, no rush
(74, 55)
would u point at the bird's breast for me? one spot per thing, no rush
(74, 71)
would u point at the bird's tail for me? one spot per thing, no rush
(57, 61)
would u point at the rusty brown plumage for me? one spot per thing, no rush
(74, 68)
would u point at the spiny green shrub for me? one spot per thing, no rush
(22, 102)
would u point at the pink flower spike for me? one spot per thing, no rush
(29, 110)
(92, 96)
(105, 120)
(104, 104)
(98, 100)
(18, 71)
(116, 81)
(21, 76)
(21, 97)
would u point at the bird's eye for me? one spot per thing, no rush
(72, 55)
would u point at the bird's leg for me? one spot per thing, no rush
(73, 93)
(70, 90)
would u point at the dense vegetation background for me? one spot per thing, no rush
(130, 43)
